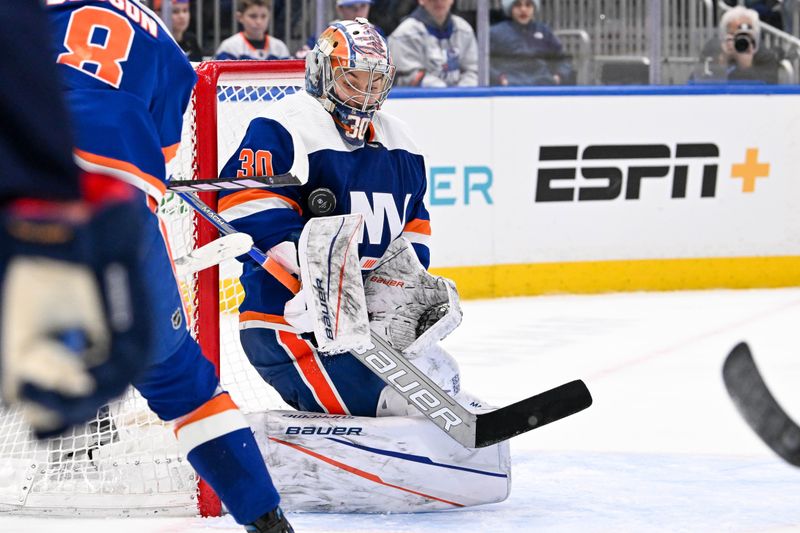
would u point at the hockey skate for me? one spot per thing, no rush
(272, 522)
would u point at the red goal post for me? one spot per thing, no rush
(206, 154)
(206, 164)
(126, 462)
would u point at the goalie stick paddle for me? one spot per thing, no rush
(758, 406)
(469, 429)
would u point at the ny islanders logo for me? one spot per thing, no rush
(379, 213)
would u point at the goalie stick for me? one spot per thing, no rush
(758, 406)
(289, 281)
(216, 185)
(469, 429)
(213, 253)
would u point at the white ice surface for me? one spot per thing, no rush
(661, 449)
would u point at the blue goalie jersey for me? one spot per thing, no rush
(384, 180)
(127, 84)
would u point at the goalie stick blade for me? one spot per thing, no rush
(758, 407)
(531, 413)
(222, 249)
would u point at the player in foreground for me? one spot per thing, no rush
(362, 164)
(127, 84)
(63, 352)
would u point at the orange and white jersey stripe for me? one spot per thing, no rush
(123, 170)
(215, 418)
(251, 201)
(254, 319)
(418, 231)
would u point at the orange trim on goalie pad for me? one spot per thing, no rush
(305, 360)
(418, 226)
(360, 473)
(217, 404)
(248, 195)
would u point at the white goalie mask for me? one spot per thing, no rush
(350, 72)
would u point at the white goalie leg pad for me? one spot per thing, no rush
(408, 306)
(285, 254)
(340, 463)
(332, 285)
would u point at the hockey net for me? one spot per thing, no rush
(126, 461)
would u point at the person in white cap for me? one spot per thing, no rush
(524, 51)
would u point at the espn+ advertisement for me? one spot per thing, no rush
(561, 179)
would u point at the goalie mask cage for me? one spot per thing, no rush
(126, 461)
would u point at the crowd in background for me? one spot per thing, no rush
(434, 47)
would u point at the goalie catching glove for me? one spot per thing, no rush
(408, 306)
(72, 332)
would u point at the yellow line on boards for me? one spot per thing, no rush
(589, 277)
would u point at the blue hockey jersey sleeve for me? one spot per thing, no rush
(126, 83)
(418, 228)
(270, 216)
(176, 79)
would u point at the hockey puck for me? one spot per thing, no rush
(321, 202)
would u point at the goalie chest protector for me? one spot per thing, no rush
(384, 180)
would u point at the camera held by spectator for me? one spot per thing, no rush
(745, 39)
(737, 54)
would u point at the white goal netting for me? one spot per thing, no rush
(126, 461)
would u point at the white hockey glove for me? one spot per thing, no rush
(285, 254)
(408, 306)
(74, 327)
(296, 310)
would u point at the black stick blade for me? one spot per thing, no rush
(758, 407)
(531, 413)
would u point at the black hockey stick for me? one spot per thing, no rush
(758, 406)
(469, 429)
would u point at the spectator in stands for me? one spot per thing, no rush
(788, 8)
(352, 9)
(346, 10)
(434, 48)
(524, 51)
(769, 11)
(180, 24)
(387, 14)
(253, 42)
(737, 54)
